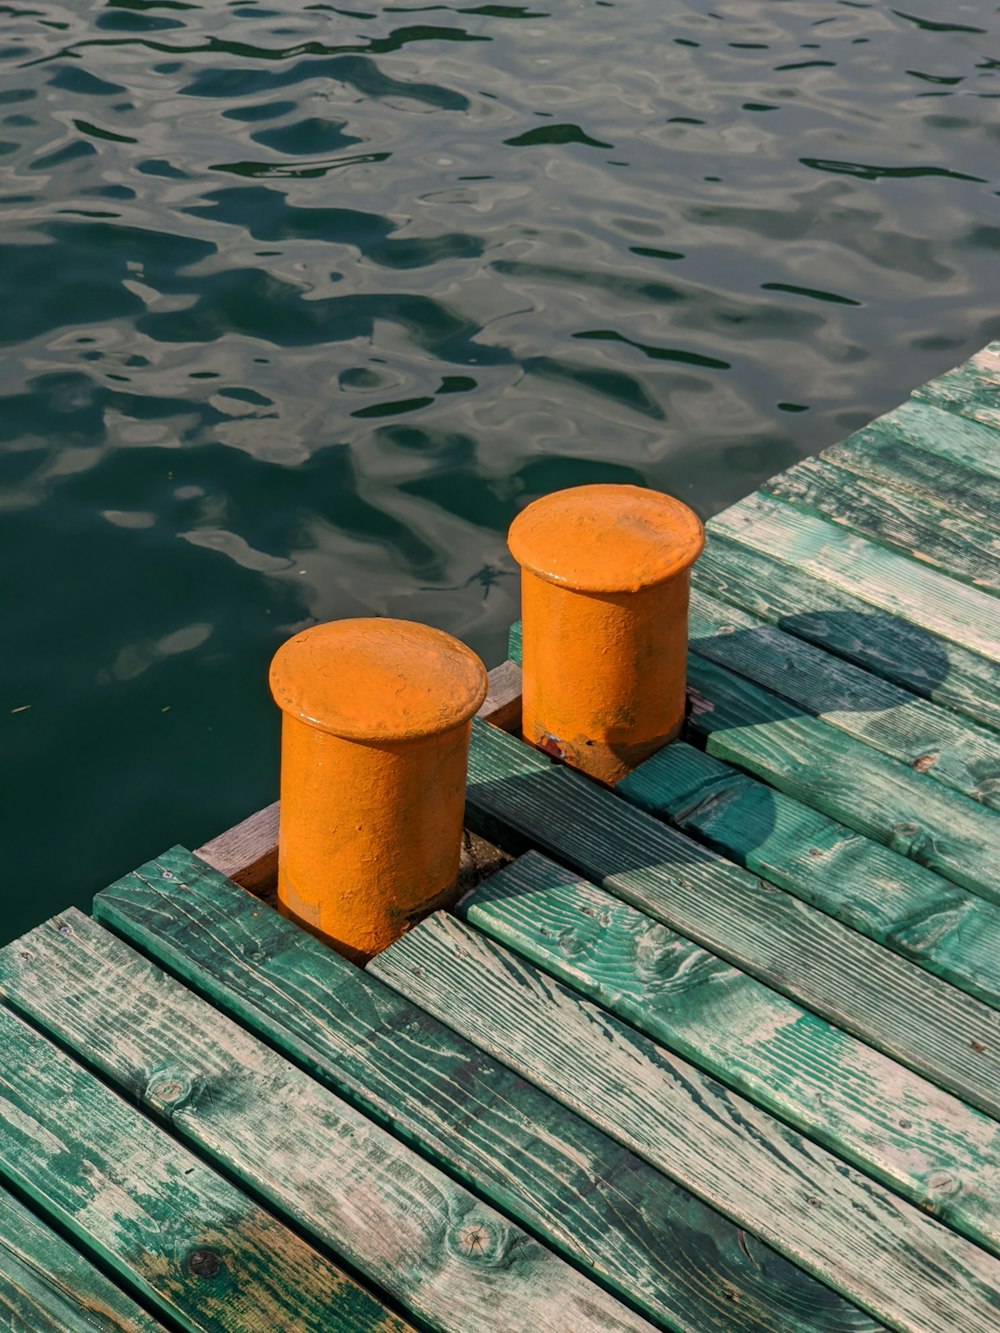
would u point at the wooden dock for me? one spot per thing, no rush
(719, 1050)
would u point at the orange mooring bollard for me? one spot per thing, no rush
(605, 574)
(374, 752)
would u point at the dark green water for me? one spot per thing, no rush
(300, 304)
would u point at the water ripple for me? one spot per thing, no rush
(301, 304)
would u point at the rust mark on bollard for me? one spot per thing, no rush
(605, 572)
(551, 745)
(374, 752)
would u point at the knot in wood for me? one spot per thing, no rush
(473, 1240)
(482, 1240)
(167, 1088)
(907, 838)
(659, 954)
(569, 942)
(943, 1183)
(204, 1263)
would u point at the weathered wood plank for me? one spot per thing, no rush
(847, 1229)
(935, 427)
(895, 1126)
(901, 904)
(887, 581)
(960, 547)
(937, 746)
(945, 930)
(846, 626)
(926, 737)
(971, 389)
(884, 457)
(502, 705)
(247, 853)
(191, 1244)
(625, 1223)
(445, 1256)
(926, 749)
(780, 940)
(46, 1286)
(844, 778)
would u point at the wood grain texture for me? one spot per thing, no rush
(844, 778)
(972, 390)
(920, 734)
(883, 456)
(883, 579)
(789, 945)
(502, 705)
(959, 547)
(945, 930)
(688, 1267)
(129, 1194)
(932, 425)
(449, 1259)
(846, 1229)
(248, 852)
(46, 1286)
(844, 625)
(895, 1126)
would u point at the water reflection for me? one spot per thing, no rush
(300, 305)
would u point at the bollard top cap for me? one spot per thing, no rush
(606, 538)
(378, 680)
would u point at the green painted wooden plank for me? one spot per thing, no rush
(885, 580)
(847, 627)
(946, 931)
(952, 750)
(46, 1286)
(926, 737)
(883, 457)
(850, 1231)
(971, 389)
(448, 1258)
(845, 778)
(935, 427)
(789, 945)
(895, 1126)
(959, 547)
(196, 1248)
(625, 1223)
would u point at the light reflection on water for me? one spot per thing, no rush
(301, 304)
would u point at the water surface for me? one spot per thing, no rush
(300, 304)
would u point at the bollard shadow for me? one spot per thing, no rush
(811, 664)
(574, 821)
(710, 807)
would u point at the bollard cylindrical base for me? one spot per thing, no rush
(605, 584)
(374, 750)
